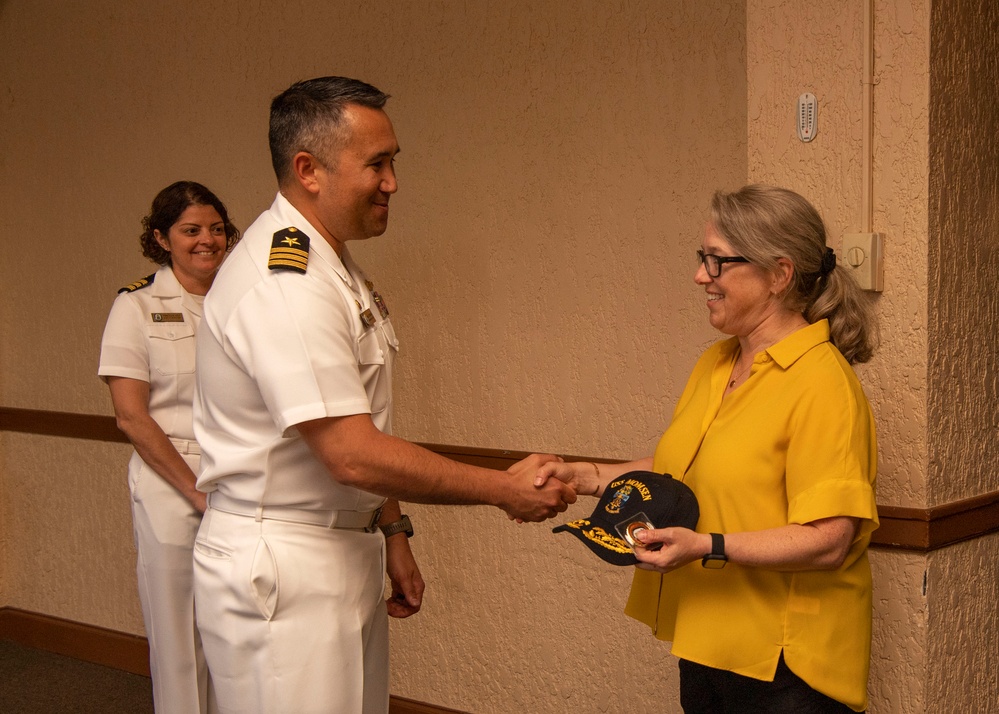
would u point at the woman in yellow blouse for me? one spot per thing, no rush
(768, 603)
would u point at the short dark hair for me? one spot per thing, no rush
(308, 116)
(166, 209)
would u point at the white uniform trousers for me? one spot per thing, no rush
(292, 616)
(165, 525)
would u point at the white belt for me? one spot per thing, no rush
(351, 520)
(184, 446)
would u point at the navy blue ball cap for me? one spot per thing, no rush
(636, 500)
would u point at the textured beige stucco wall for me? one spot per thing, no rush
(964, 251)
(555, 310)
(557, 160)
(963, 383)
(963, 627)
(899, 641)
(794, 48)
(66, 513)
(933, 384)
(102, 104)
(5, 571)
(569, 153)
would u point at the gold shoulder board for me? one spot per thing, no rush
(289, 251)
(138, 284)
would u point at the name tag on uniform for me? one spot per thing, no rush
(168, 316)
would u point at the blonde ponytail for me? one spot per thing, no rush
(766, 223)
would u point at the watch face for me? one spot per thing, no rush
(714, 562)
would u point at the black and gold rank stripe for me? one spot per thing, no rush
(289, 251)
(138, 284)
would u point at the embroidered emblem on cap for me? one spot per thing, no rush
(138, 284)
(619, 498)
(289, 251)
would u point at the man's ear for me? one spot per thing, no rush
(304, 167)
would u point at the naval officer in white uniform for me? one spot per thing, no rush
(293, 413)
(147, 360)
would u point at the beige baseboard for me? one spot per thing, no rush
(129, 653)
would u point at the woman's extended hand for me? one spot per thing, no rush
(679, 547)
(582, 476)
(532, 463)
(586, 477)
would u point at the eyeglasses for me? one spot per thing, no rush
(713, 263)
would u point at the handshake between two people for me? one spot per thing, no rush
(552, 485)
(664, 539)
(555, 484)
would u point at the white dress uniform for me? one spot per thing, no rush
(289, 570)
(150, 336)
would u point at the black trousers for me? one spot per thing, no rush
(706, 690)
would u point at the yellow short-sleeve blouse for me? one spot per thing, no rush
(795, 443)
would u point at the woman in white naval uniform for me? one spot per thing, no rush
(147, 360)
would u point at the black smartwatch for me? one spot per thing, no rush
(404, 525)
(716, 559)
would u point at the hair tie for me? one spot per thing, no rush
(828, 262)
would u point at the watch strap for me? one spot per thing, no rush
(716, 558)
(403, 525)
(718, 545)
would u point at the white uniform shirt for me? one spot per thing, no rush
(149, 336)
(278, 348)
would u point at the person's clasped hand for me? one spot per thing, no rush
(680, 546)
(537, 502)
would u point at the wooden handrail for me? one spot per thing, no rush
(902, 528)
